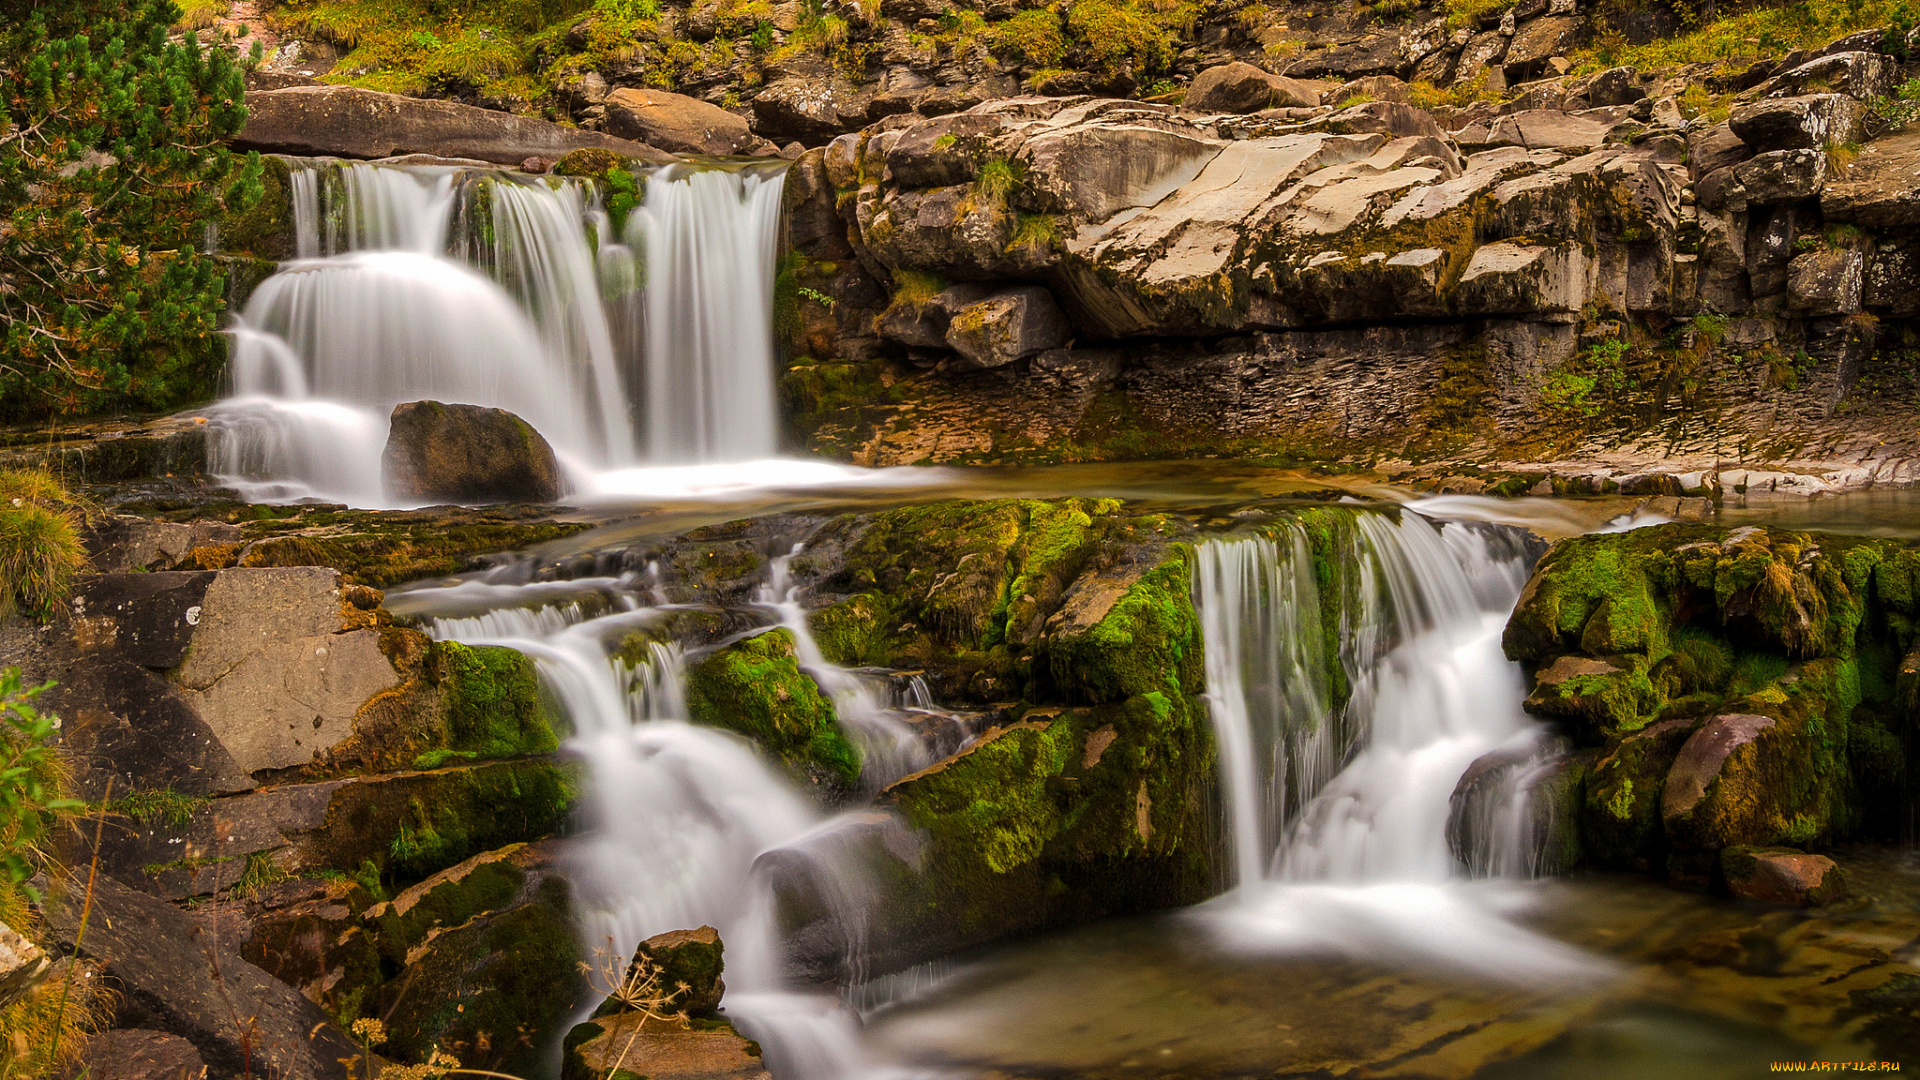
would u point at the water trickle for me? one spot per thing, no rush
(487, 288)
(1338, 815)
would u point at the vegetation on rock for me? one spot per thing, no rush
(756, 687)
(40, 545)
(111, 167)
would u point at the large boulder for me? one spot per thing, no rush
(1242, 88)
(184, 980)
(1877, 190)
(467, 454)
(676, 123)
(346, 121)
(1812, 122)
(1005, 327)
(1826, 282)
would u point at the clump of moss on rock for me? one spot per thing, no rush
(493, 705)
(756, 687)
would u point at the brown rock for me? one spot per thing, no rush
(1782, 876)
(345, 121)
(1242, 88)
(467, 454)
(1826, 282)
(1005, 327)
(142, 1055)
(1538, 42)
(1702, 760)
(660, 1050)
(1879, 189)
(676, 123)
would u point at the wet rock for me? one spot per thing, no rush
(179, 979)
(1516, 813)
(1782, 876)
(1242, 88)
(1620, 821)
(756, 687)
(1813, 122)
(345, 121)
(1826, 282)
(467, 454)
(1701, 763)
(693, 959)
(676, 123)
(307, 933)
(134, 1054)
(1598, 693)
(491, 989)
(635, 1044)
(1005, 327)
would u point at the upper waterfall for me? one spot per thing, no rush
(653, 345)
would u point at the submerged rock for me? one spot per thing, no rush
(467, 454)
(1782, 876)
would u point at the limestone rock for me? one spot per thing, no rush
(1508, 277)
(187, 983)
(676, 123)
(1006, 327)
(467, 454)
(345, 121)
(1826, 282)
(1812, 122)
(272, 674)
(1242, 88)
(137, 1054)
(1782, 876)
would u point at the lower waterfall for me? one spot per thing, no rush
(1337, 813)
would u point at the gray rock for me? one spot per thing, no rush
(814, 224)
(1858, 74)
(1242, 88)
(121, 542)
(137, 1054)
(1714, 148)
(1508, 278)
(145, 619)
(184, 981)
(1539, 41)
(1881, 188)
(469, 454)
(1538, 129)
(676, 123)
(1005, 327)
(812, 110)
(345, 121)
(1779, 176)
(1480, 57)
(1826, 282)
(1614, 86)
(1812, 122)
(1893, 281)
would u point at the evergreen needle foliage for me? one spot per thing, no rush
(111, 165)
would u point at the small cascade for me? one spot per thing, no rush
(490, 288)
(872, 707)
(1338, 814)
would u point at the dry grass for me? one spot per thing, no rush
(40, 546)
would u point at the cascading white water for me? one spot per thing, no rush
(1357, 860)
(488, 288)
(683, 821)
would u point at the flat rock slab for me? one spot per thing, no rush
(175, 977)
(662, 1052)
(345, 121)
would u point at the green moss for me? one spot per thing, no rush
(1148, 642)
(159, 806)
(1132, 38)
(756, 687)
(493, 706)
(491, 990)
(487, 886)
(1034, 37)
(994, 806)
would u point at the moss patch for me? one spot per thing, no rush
(756, 687)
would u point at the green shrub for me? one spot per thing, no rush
(1136, 38)
(1035, 37)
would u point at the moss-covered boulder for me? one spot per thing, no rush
(686, 966)
(756, 687)
(1742, 685)
(490, 990)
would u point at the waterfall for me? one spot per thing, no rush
(688, 825)
(1338, 814)
(490, 288)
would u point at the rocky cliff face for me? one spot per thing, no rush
(1578, 271)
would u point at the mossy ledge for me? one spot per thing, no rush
(1747, 687)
